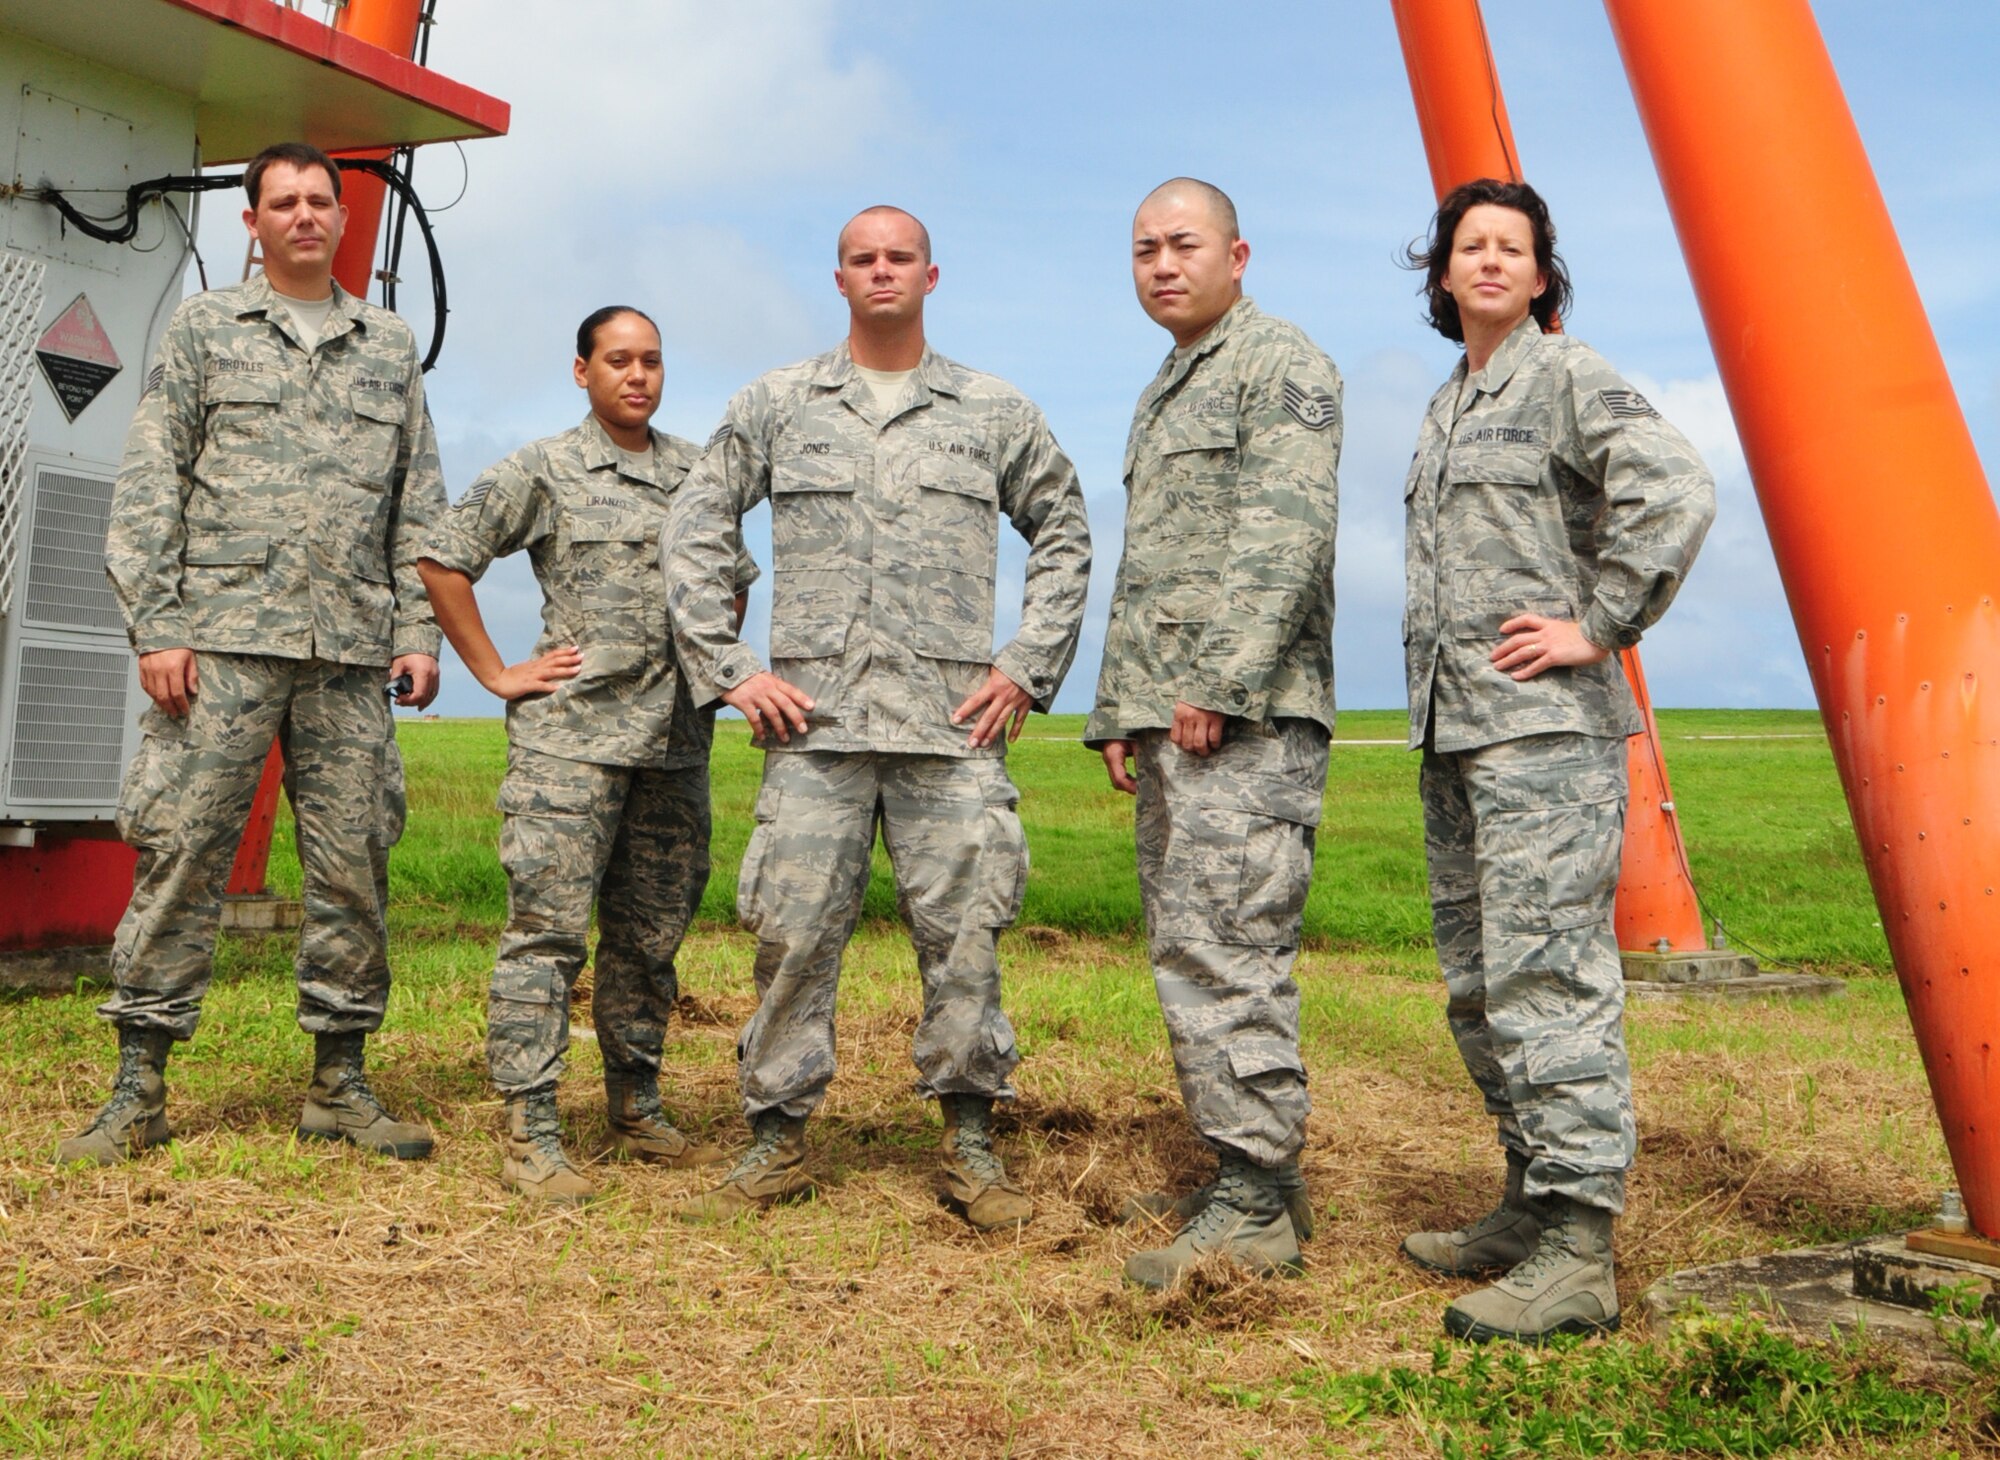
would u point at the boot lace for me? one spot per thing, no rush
(1500, 1218)
(543, 1128)
(126, 1092)
(1555, 1247)
(768, 1136)
(973, 1146)
(1232, 1197)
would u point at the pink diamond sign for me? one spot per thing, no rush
(77, 358)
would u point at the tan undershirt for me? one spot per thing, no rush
(308, 317)
(885, 385)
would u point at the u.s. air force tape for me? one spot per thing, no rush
(1313, 409)
(1626, 403)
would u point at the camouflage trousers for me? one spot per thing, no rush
(1524, 840)
(960, 862)
(186, 797)
(634, 840)
(1225, 859)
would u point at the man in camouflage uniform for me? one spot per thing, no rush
(606, 791)
(1218, 682)
(1551, 517)
(278, 478)
(887, 467)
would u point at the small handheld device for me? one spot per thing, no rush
(402, 684)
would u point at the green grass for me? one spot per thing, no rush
(1771, 847)
(243, 1294)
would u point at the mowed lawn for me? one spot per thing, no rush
(241, 1294)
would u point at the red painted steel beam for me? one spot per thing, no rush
(1463, 117)
(357, 46)
(1884, 527)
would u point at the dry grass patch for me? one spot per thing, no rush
(243, 1294)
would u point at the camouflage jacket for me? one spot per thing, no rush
(272, 499)
(1558, 490)
(1225, 591)
(884, 533)
(592, 530)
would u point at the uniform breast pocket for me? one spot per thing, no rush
(960, 514)
(611, 559)
(242, 416)
(375, 435)
(1201, 449)
(813, 516)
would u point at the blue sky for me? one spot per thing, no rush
(697, 160)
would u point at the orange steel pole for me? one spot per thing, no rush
(1881, 518)
(1463, 117)
(392, 25)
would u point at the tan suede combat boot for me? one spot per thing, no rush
(1501, 1239)
(1163, 1207)
(533, 1161)
(135, 1117)
(975, 1180)
(771, 1171)
(1246, 1221)
(1566, 1285)
(340, 1106)
(640, 1130)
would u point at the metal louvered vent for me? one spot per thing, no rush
(69, 724)
(66, 583)
(20, 316)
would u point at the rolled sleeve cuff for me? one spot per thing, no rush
(415, 639)
(460, 557)
(161, 633)
(1224, 697)
(1605, 631)
(1016, 664)
(731, 668)
(1102, 727)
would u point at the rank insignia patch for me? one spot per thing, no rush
(475, 494)
(1315, 410)
(1628, 404)
(722, 434)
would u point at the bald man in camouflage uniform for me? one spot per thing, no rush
(1218, 682)
(1551, 518)
(606, 794)
(887, 467)
(278, 478)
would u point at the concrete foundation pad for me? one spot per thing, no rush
(260, 912)
(1814, 1292)
(1699, 965)
(1755, 986)
(55, 970)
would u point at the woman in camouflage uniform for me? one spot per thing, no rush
(606, 793)
(1551, 517)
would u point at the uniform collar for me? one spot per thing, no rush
(601, 453)
(259, 298)
(1500, 368)
(836, 371)
(1180, 363)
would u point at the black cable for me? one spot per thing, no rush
(137, 195)
(408, 196)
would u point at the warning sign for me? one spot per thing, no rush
(77, 358)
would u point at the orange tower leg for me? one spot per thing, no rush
(1884, 528)
(1463, 117)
